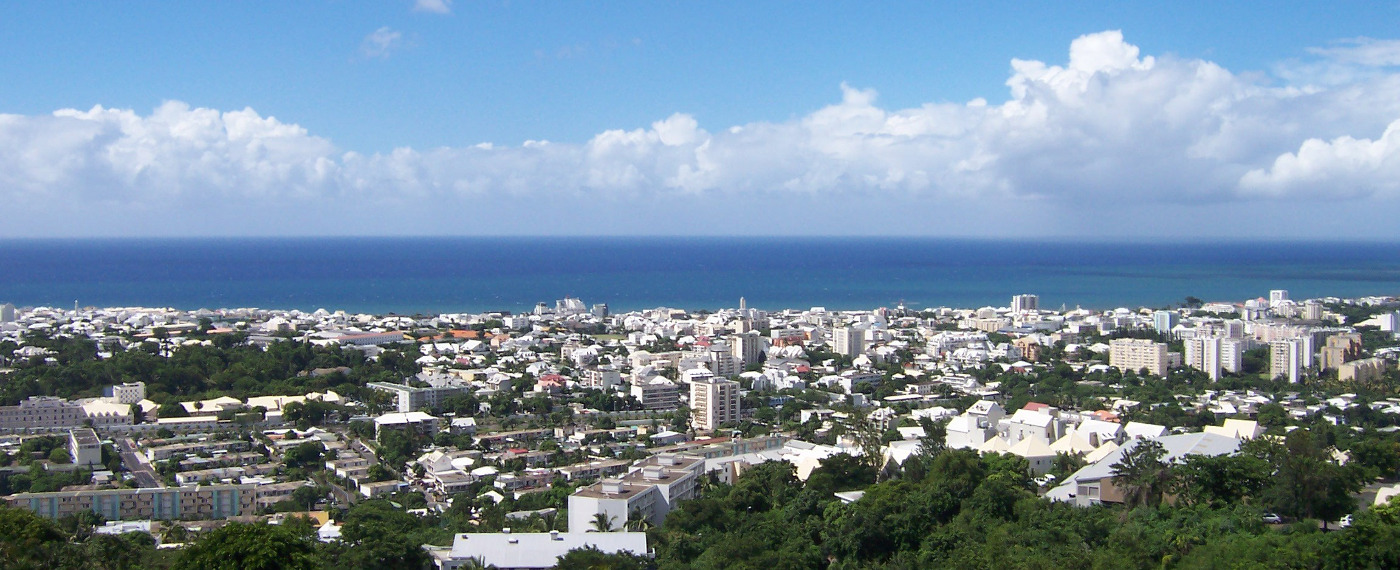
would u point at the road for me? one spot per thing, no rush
(132, 461)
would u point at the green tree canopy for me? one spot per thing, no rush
(261, 546)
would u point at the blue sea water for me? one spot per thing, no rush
(430, 275)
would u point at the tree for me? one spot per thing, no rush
(172, 410)
(260, 546)
(308, 496)
(869, 439)
(302, 455)
(1142, 474)
(1379, 457)
(60, 456)
(382, 536)
(1306, 483)
(602, 522)
(27, 540)
(1219, 480)
(590, 558)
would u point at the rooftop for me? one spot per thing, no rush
(540, 549)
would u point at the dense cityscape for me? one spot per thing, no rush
(148, 437)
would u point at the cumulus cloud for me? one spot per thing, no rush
(1342, 167)
(1109, 130)
(433, 6)
(381, 42)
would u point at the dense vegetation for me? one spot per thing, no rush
(956, 510)
(943, 508)
(227, 366)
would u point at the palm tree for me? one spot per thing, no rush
(1142, 474)
(602, 522)
(638, 523)
(476, 563)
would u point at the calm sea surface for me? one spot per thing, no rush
(430, 275)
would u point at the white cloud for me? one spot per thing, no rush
(433, 6)
(1342, 167)
(1363, 51)
(381, 42)
(1110, 133)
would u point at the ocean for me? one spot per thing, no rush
(469, 274)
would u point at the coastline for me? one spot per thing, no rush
(408, 275)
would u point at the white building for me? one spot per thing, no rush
(40, 412)
(713, 402)
(657, 393)
(1022, 303)
(418, 421)
(1213, 355)
(605, 377)
(1290, 357)
(126, 393)
(1043, 425)
(1163, 321)
(974, 427)
(848, 341)
(415, 399)
(510, 550)
(648, 492)
(84, 447)
(747, 347)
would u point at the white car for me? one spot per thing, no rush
(1346, 522)
(1271, 518)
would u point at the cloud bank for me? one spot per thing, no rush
(1109, 133)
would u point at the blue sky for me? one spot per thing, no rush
(277, 118)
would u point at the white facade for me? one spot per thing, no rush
(648, 492)
(84, 447)
(127, 393)
(1214, 355)
(747, 347)
(603, 377)
(1286, 359)
(1022, 303)
(847, 341)
(657, 393)
(713, 402)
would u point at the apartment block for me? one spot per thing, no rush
(1363, 370)
(416, 399)
(713, 402)
(1136, 354)
(169, 503)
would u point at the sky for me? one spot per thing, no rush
(1253, 120)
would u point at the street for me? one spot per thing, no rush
(132, 461)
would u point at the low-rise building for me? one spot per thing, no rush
(1364, 370)
(649, 492)
(507, 550)
(42, 413)
(84, 447)
(657, 393)
(418, 421)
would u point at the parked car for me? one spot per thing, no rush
(1346, 522)
(1271, 518)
